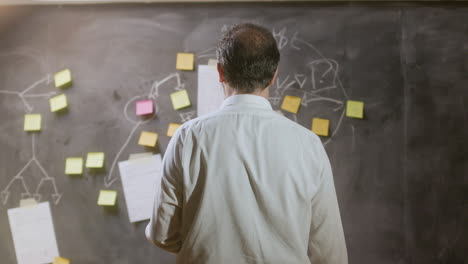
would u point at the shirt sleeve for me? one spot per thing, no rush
(163, 229)
(326, 239)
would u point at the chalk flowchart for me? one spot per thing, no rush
(313, 81)
(319, 75)
(33, 161)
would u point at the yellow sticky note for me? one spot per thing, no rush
(107, 198)
(148, 139)
(291, 104)
(60, 260)
(95, 160)
(355, 109)
(185, 61)
(172, 129)
(63, 79)
(58, 103)
(74, 166)
(180, 99)
(32, 122)
(320, 126)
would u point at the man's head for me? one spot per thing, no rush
(248, 58)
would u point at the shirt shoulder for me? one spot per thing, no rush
(208, 121)
(303, 132)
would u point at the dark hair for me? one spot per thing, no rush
(248, 56)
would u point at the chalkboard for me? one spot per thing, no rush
(401, 173)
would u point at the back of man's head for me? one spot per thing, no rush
(248, 56)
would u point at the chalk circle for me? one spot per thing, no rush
(139, 120)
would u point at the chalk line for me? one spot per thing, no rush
(108, 181)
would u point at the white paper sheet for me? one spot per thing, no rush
(141, 181)
(210, 91)
(33, 234)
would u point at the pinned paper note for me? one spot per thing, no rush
(74, 166)
(185, 61)
(107, 198)
(148, 139)
(28, 202)
(320, 126)
(58, 103)
(32, 122)
(144, 107)
(60, 260)
(180, 99)
(172, 129)
(135, 156)
(95, 160)
(212, 62)
(63, 79)
(355, 109)
(33, 234)
(279, 112)
(210, 91)
(141, 181)
(291, 104)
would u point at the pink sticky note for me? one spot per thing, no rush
(144, 107)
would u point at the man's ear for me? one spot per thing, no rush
(274, 78)
(220, 73)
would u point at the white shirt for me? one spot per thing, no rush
(247, 185)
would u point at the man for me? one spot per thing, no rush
(245, 184)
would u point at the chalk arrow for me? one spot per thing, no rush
(300, 79)
(224, 28)
(279, 84)
(338, 108)
(25, 195)
(56, 197)
(37, 197)
(108, 181)
(187, 116)
(180, 87)
(50, 79)
(304, 100)
(4, 195)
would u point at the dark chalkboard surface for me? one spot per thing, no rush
(401, 173)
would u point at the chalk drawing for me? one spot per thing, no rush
(319, 75)
(280, 38)
(300, 79)
(33, 161)
(23, 95)
(211, 53)
(153, 94)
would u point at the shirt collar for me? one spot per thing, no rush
(247, 99)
